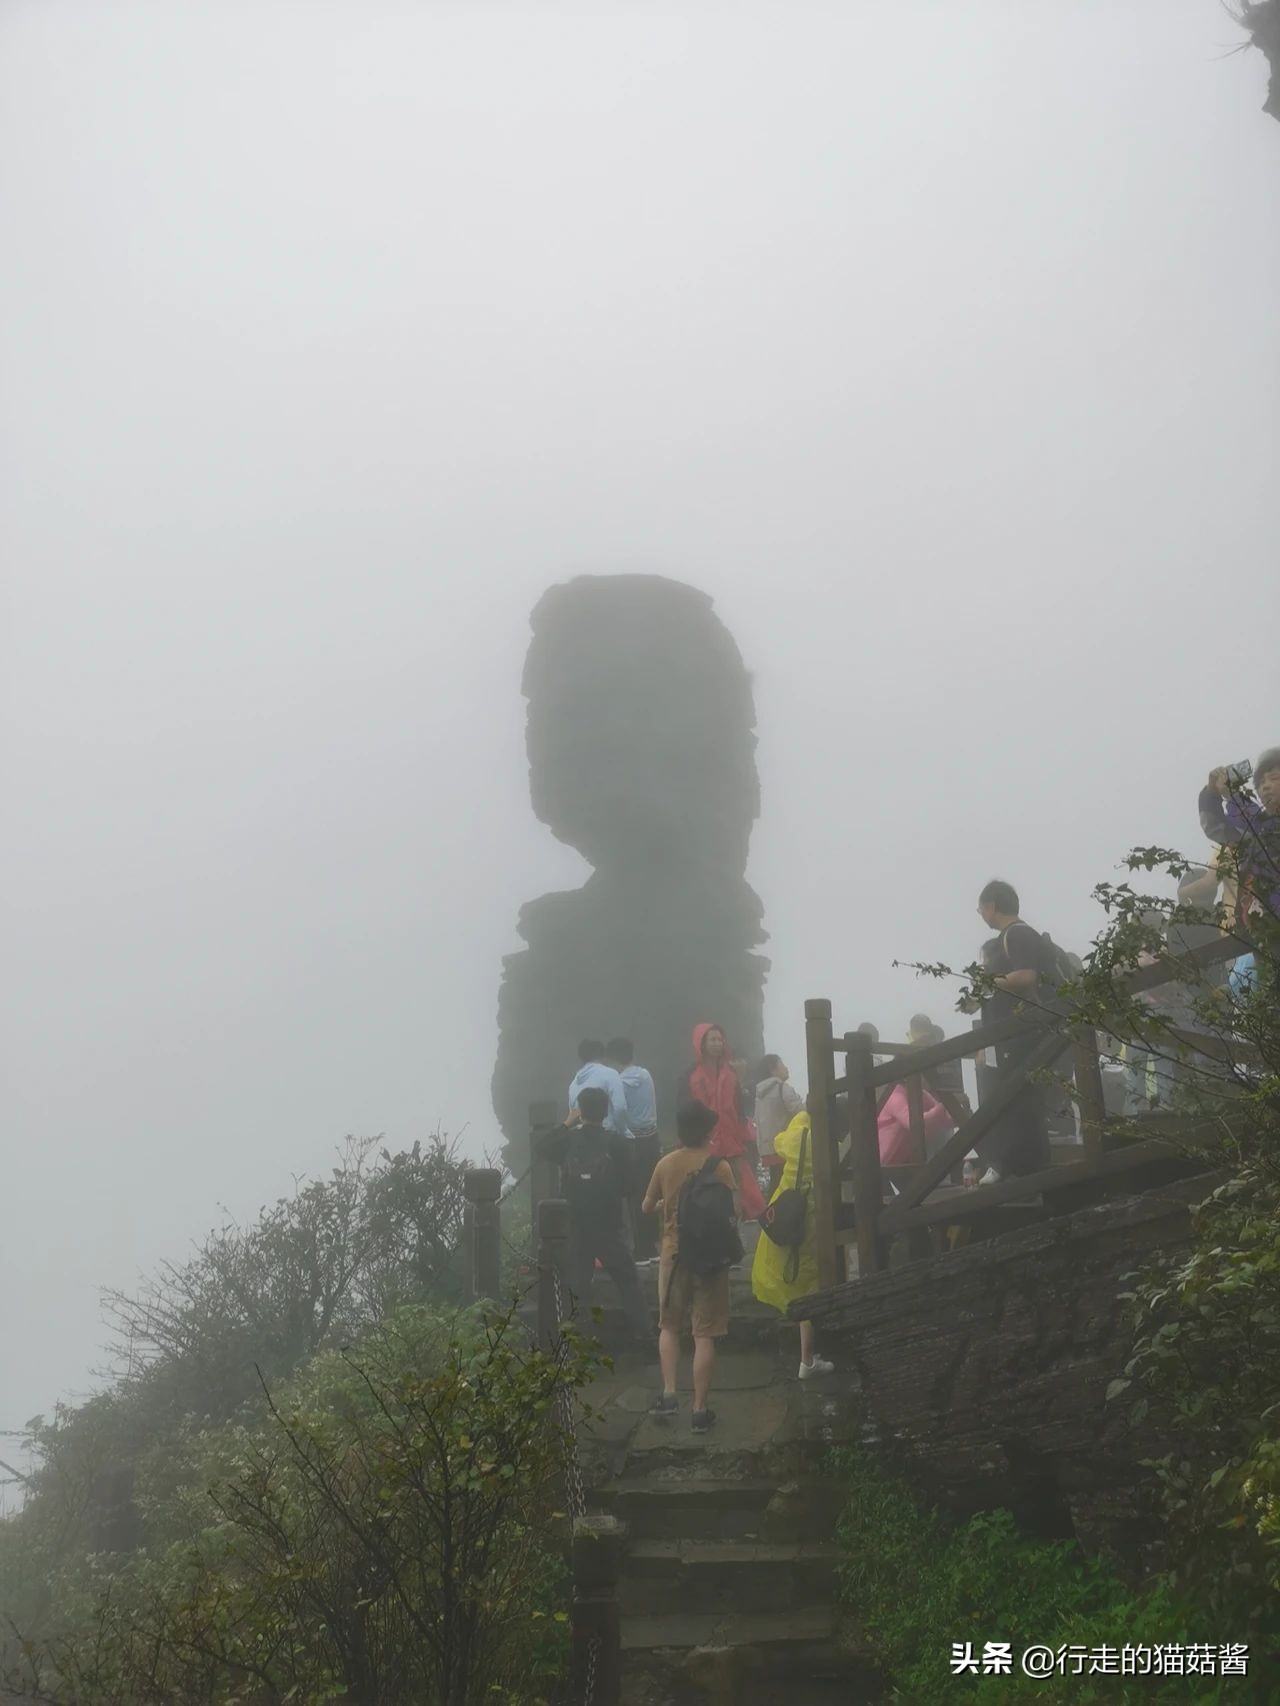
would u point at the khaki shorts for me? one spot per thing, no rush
(699, 1300)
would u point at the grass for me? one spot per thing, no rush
(917, 1584)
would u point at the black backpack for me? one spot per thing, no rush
(706, 1236)
(1054, 968)
(787, 1216)
(593, 1186)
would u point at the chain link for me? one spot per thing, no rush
(568, 1421)
(577, 1496)
(593, 1653)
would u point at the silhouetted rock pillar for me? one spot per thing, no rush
(641, 741)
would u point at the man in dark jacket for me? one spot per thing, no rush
(595, 1172)
(1019, 1140)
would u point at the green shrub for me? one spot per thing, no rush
(916, 1584)
(1206, 1363)
(1204, 1368)
(380, 1528)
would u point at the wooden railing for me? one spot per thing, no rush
(1052, 1038)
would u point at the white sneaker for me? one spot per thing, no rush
(819, 1365)
(990, 1177)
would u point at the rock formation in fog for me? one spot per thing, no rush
(642, 756)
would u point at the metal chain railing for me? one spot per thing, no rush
(568, 1421)
(574, 1487)
(589, 1687)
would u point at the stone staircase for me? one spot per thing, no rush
(714, 1608)
(728, 1589)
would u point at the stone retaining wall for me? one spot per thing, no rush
(988, 1367)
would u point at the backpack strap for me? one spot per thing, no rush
(792, 1266)
(711, 1162)
(1040, 936)
(804, 1149)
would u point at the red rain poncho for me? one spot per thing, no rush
(715, 1085)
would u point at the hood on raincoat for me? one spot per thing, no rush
(700, 1036)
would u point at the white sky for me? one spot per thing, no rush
(938, 342)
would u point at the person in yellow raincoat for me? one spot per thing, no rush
(773, 1261)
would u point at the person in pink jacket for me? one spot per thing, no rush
(894, 1126)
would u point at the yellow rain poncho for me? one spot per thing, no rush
(768, 1270)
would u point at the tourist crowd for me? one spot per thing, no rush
(632, 1206)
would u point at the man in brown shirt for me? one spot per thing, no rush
(686, 1299)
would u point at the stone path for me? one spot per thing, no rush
(728, 1588)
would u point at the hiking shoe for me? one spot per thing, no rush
(665, 1404)
(702, 1419)
(819, 1365)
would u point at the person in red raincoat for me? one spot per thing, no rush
(713, 1082)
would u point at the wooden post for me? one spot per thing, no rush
(468, 1244)
(915, 1114)
(983, 1076)
(864, 1152)
(543, 1117)
(553, 1252)
(596, 1626)
(824, 1157)
(919, 1241)
(1092, 1098)
(481, 1232)
(979, 1069)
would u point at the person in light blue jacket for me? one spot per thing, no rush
(646, 1146)
(595, 1074)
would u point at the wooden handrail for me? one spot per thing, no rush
(1171, 967)
(1231, 1050)
(1168, 970)
(972, 1042)
(965, 1205)
(1013, 1083)
(1049, 1032)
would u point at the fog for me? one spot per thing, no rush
(938, 343)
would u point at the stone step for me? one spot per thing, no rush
(686, 1509)
(793, 1658)
(724, 1576)
(694, 1508)
(731, 1676)
(682, 1631)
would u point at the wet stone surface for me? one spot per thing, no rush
(729, 1581)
